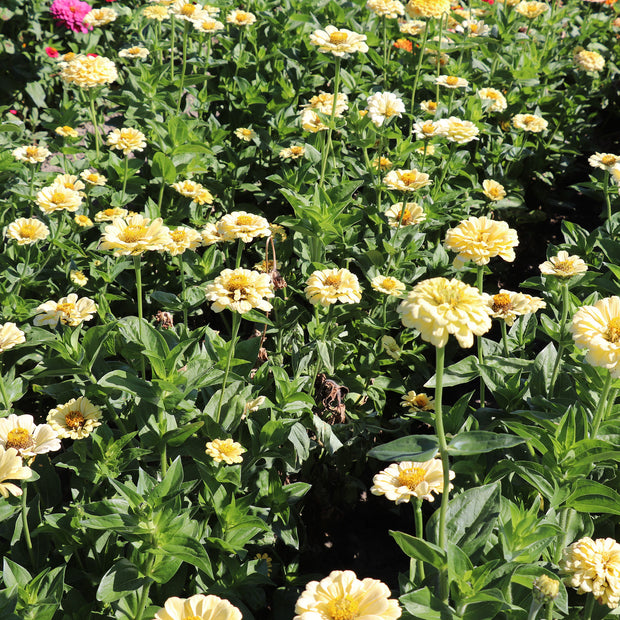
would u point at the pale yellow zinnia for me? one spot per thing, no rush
(387, 285)
(183, 238)
(406, 180)
(508, 305)
(529, 122)
(68, 310)
(89, 71)
(409, 215)
(338, 41)
(225, 450)
(417, 402)
(329, 286)
(27, 231)
(242, 225)
(108, 215)
(31, 154)
(134, 235)
(391, 9)
(563, 266)
(58, 198)
(27, 438)
(76, 419)
(10, 336)
(198, 607)
(493, 98)
(241, 18)
(126, 139)
(12, 468)
(240, 290)
(493, 190)
(428, 8)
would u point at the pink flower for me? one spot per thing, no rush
(70, 13)
(52, 52)
(12, 111)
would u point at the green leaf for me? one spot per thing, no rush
(122, 578)
(178, 436)
(422, 605)
(130, 383)
(412, 448)
(594, 497)
(421, 549)
(479, 442)
(189, 550)
(463, 371)
(14, 575)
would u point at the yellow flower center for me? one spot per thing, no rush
(411, 477)
(28, 231)
(192, 618)
(337, 37)
(432, 106)
(613, 330)
(409, 178)
(66, 308)
(333, 281)
(132, 233)
(344, 608)
(177, 235)
(67, 129)
(565, 266)
(188, 9)
(297, 150)
(228, 449)
(405, 217)
(208, 24)
(237, 282)
(389, 110)
(74, 420)
(389, 284)
(58, 196)
(608, 160)
(428, 128)
(19, 438)
(452, 80)
(242, 16)
(501, 303)
(134, 50)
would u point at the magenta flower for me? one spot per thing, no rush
(70, 13)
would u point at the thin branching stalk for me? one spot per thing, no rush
(25, 526)
(183, 66)
(93, 117)
(419, 531)
(480, 284)
(416, 79)
(231, 350)
(328, 147)
(602, 405)
(561, 336)
(138, 270)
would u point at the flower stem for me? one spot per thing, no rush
(5, 397)
(239, 253)
(172, 32)
(534, 609)
(385, 49)
(480, 285)
(417, 75)
(587, 614)
(558, 359)
(142, 603)
(163, 458)
(183, 66)
(328, 147)
(606, 190)
(25, 527)
(446, 167)
(504, 337)
(445, 463)
(183, 288)
(419, 531)
(235, 330)
(93, 116)
(136, 266)
(438, 59)
(125, 175)
(602, 406)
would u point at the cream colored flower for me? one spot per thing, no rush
(210, 235)
(381, 163)
(253, 404)
(185, 11)
(328, 286)
(427, 149)
(83, 220)
(108, 215)
(89, 71)
(240, 290)
(58, 198)
(324, 103)
(594, 566)
(383, 106)
(292, 152)
(451, 81)
(390, 346)
(134, 52)
(588, 61)
(439, 307)
(69, 181)
(417, 402)
(425, 130)
(67, 132)
(387, 285)
(12, 468)
(311, 121)
(197, 192)
(427, 8)
(75, 419)
(31, 154)
(78, 278)
(406, 180)
(597, 330)
(342, 596)
(338, 41)
(198, 607)
(545, 589)
(473, 28)
(604, 161)
(27, 438)
(68, 310)
(529, 122)
(183, 238)
(563, 266)
(430, 107)
(508, 305)
(493, 190)
(386, 8)
(93, 178)
(402, 481)
(242, 225)
(27, 231)
(225, 450)
(246, 134)
(240, 18)
(134, 235)
(495, 100)
(10, 336)
(532, 9)
(412, 27)
(456, 130)
(208, 25)
(100, 17)
(157, 12)
(127, 140)
(413, 214)
(479, 239)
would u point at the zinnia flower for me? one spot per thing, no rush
(417, 402)
(67, 132)
(225, 450)
(329, 286)
(183, 238)
(386, 8)
(83, 220)
(508, 305)
(246, 134)
(479, 239)
(529, 122)
(604, 161)
(70, 14)
(588, 61)
(89, 71)
(27, 438)
(157, 12)
(134, 52)
(427, 8)
(292, 152)
(311, 121)
(196, 191)
(93, 178)
(402, 481)
(594, 566)
(68, 310)
(12, 468)
(208, 25)
(383, 106)
(412, 214)
(531, 9)
(406, 180)
(198, 607)
(100, 17)
(69, 181)
(563, 266)
(210, 235)
(381, 163)
(424, 130)
(242, 225)
(338, 41)
(597, 330)
(78, 278)
(451, 81)
(430, 107)
(343, 596)
(240, 18)
(10, 336)
(126, 139)
(545, 589)
(439, 307)
(324, 103)
(31, 154)
(58, 198)
(108, 215)
(134, 235)
(185, 11)
(240, 290)
(27, 231)
(390, 346)
(387, 285)
(495, 100)
(75, 419)
(412, 27)
(456, 130)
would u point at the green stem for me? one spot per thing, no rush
(438, 59)
(607, 199)
(205, 90)
(602, 406)
(25, 526)
(323, 338)
(417, 75)
(446, 167)
(587, 614)
(550, 610)
(231, 350)
(183, 66)
(480, 284)
(172, 33)
(444, 586)
(504, 337)
(142, 603)
(5, 397)
(125, 175)
(161, 197)
(419, 531)
(31, 186)
(136, 266)
(385, 50)
(163, 458)
(183, 288)
(93, 117)
(534, 609)
(328, 147)
(558, 359)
